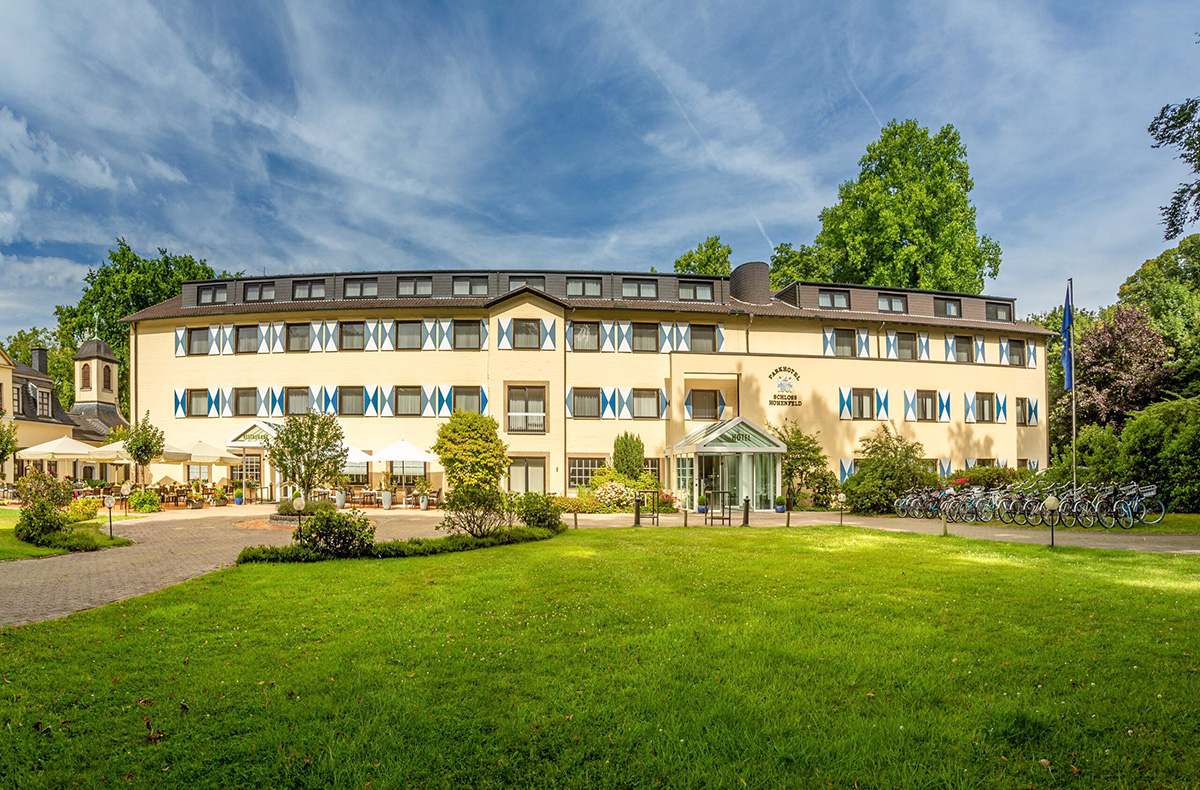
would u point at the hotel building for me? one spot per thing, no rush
(566, 361)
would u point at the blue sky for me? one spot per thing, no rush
(597, 135)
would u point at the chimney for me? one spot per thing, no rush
(38, 359)
(751, 283)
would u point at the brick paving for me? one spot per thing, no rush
(175, 546)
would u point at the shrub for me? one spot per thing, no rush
(337, 534)
(476, 510)
(780, 501)
(81, 510)
(40, 523)
(584, 503)
(539, 510)
(38, 486)
(310, 508)
(824, 485)
(990, 476)
(629, 455)
(292, 553)
(890, 466)
(76, 540)
(614, 494)
(145, 502)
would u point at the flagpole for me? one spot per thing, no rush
(1074, 385)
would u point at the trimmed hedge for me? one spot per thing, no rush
(414, 547)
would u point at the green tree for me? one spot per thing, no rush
(122, 285)
(60, 351)
(804, 461)
(789, 265)
(889, 465)
(629, 455)
(144, 442)
(308, 450)
(8, 441)
(471, 453)
(1178, 126)
(907, 220)
(710, 257)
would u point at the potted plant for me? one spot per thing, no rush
(219, 498)
(387, 488)
(422, 489)
(237, 496)
(780, 503)
(341, 484)
(195, 497)
(702, 503)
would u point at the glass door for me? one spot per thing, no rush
(764, 481)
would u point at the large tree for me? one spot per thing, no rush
(308, 450)
(907, 220)
(1178, 126)
(709, 257)
(124, 284)
(789, 264)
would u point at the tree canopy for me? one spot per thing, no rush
(1178, 126)
(790, 264)
(308, 450)
(709, 257)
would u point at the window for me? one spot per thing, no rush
(524, 281)
(693, 291)
(999, 311)
(835, 300)
(583, 286)
(684, 475)
(926, 406)
(704, 338)
(527, 333)
(245, 402)
(246, 339)
(580, 471)
(17, 399)
(197, 342)
(352, 336)
(408, 335)
(654, 467)
(985, 407)
(356, 472)
(43, 403)
(295, 400)
(639, 289)
(1022, 463)
(645, 338)
(414, 286)
(1021, 406)
(985, 461)
(906, 345)
(108, 378)
(197, 472)
(197, 403)
(585, 402)
(645, 405)
(844, 343)
(352, 401)
(260, 292)
(212, 294)
(308, 289)
(407, 402)
(947, 308)
(704, 405)
(527, 475)
(361, 288)
(470, 286)
(467, 399)
(85, 376)
(408, 471)
(585, 336)
(1016, 353)
(466, 335)
(298, 337)
(891, 303)
(964, 349)
(526, 409)
(862, 404)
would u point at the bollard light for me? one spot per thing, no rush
(1052, 504)
(841, 498)
(298, 504)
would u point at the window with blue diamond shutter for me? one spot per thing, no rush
(881, 404)
(910, 405)
(943, 405)
(827, 345)
(844, 411)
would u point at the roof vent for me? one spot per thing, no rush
(751, 283)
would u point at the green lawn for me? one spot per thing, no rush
(1172, 524)
(13, 549)
(625, 658)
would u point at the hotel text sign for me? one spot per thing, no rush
(785, 387)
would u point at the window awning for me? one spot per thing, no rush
(737, 435)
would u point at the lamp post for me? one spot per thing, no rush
(298, 504)
(1052, 504)
(841, 498)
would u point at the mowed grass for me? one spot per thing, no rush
(13, 549)
(759, 658)
(1171, 524)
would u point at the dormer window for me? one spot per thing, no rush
(414, 286)
(43, 402)
(695, 291)
(16, 398)
(362, 288)
(260, 292)
(947, 308)
(833, 300)
(893, 303)
(583, 286)
(999, 311)
(470, 286)
(522, 281)
(639, 289)
(308, 289)
(212, 294)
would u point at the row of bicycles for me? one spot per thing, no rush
(1035, 504)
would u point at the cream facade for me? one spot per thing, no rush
(569, 363)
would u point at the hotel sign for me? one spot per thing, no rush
(785, 387)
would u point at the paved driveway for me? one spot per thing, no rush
(179, 545)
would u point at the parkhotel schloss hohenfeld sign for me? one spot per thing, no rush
(785, 387)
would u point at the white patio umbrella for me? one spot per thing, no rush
(63, 448)
(117, 452)
(403, 450)
(205, 453)
(357, 456)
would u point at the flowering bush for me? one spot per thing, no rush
(82, 510)
(614, 494)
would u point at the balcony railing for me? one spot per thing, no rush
(526, 423)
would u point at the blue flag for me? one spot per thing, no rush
(1067, 351)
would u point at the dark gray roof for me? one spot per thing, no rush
(95, 420)
(29, 381)
(96, 349)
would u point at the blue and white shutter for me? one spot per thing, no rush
(214, 340)
(910, 405)
(608, 403)
(687, 406)
(945, 467)
(214, 402)
(264, 338)
(570, 402)
(262, 402)
(923, 346)
(943, 405)
(1004, 360)
(181, 347)
(483, 334)
(1002, 463)
(278, 405)
(316, 336)
(970, 463)
(720, 337)
(827, 345)
(1001, 407)
(387, 332)
(504, 334)
(968, 407)
(864, 342)
(665, 335)
(483, 400)
(845, 468)
(683, 337)
(331, 335)
(429, 400)
(227, 339)
(370, 401)
(371, 341)
(548, 331)
(980, 350)
(608, 336)
(1031, 354)
(568, 342)
(1034, 464)
(227, 401)
(429, 334)
(721, 414)
(951, 355)
(278, 337)
(624, 337)
(445, 401)
(664, 404)
(331, 400)
(1033, 411)
(180, 403)
(844, 410)
(445, 334)
(893, 350)
(387, 400)
(625, 403)
(881, 404)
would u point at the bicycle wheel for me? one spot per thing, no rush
(1052, 518)
(1004, 511)
(1154, 510)
(985, 511)
(898, 506)
(1106, 514)
(1067, 514)
(1018, 514)
(1084, 515)
(1125, 515)
(1033, 513)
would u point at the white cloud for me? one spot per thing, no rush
(162, 171)
(32, 154)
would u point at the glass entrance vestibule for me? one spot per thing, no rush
(734, 456)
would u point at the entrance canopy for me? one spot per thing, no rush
(737, 435)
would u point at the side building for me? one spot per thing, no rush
(567, 361)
